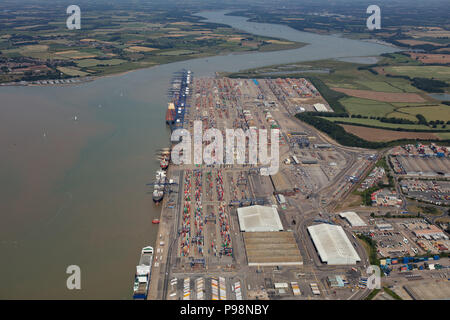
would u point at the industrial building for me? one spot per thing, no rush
(271, 249)
(427, 290)
(333, 245)
(320, 107)
(336, 281)
(353, 219)
(259, 219)
(386, 198)
(384, 226)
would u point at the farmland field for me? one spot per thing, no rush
(72, 72)
(140, 49)
(443, 135)
(377, 123)
(431, 57)
(75, 54)
(382, 96)
(373, 134)
(136, 37)
(366, 107)
(86, 63)
(438, 112)
(401, 115)
(437, 72)
(371, 96)
(176, 53)
(382, 86)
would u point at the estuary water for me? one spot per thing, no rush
(75, 161)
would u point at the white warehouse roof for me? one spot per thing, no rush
(320, 107)
(333, 245)
(259, 219)
(353, 219)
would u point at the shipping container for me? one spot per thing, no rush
(279, 285)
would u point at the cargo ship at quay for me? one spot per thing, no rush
(143, 273)
(176, 109)
(165, 159)
(178, 94)
(159, 186)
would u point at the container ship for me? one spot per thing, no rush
(165, 160)
(143, 273)
(159, 186)
(178, 95)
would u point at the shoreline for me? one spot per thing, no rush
(87, 79)
(80, 80)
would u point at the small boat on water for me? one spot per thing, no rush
(155, 221)
(143, 273)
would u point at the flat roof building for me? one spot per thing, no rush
(384, 226)
(353, 219)
(320, 107)
(259, 219)
(271, 249)
(333, 245)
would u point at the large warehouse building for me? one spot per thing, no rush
(333, 245)
(266, 244)
(271, 249)
(259, 219)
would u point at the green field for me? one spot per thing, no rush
(135, 36)
(436, 72)
(431, 113)
(444, 135)
(175, 53)
(377, 123)
(382, 86)
(401, 115)
(87, 63)
(356, 76)
(75, 54)
(366, 107)
(72, 72)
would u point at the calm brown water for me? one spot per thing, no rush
(77, 195)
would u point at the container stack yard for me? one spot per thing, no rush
(200, 234)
